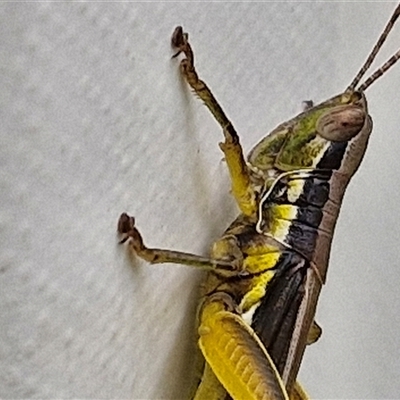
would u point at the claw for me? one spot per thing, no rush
(125, 223)
(179, 40)
(126, 227)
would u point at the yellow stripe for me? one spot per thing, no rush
(295, 189)
(281, 219)
(257, 291)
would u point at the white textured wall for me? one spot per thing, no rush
(95, 120)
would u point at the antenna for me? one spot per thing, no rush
(373, 54)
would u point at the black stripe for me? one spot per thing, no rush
(275, 317)
(333, 157)
(315, 192)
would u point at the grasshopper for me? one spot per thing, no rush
(266, 272)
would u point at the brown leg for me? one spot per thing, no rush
(126, 227)
(241, 185)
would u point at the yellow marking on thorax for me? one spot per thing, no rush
(260, 262)
(295, 189)
(257, 292)
(257, 264)
(260, 250)
(281, 217)
(318, 147)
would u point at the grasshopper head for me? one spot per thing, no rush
(331, 136)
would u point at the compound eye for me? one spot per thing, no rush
(341, 123)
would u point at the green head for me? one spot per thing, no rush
(332, 135)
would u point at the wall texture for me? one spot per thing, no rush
(96, 120)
